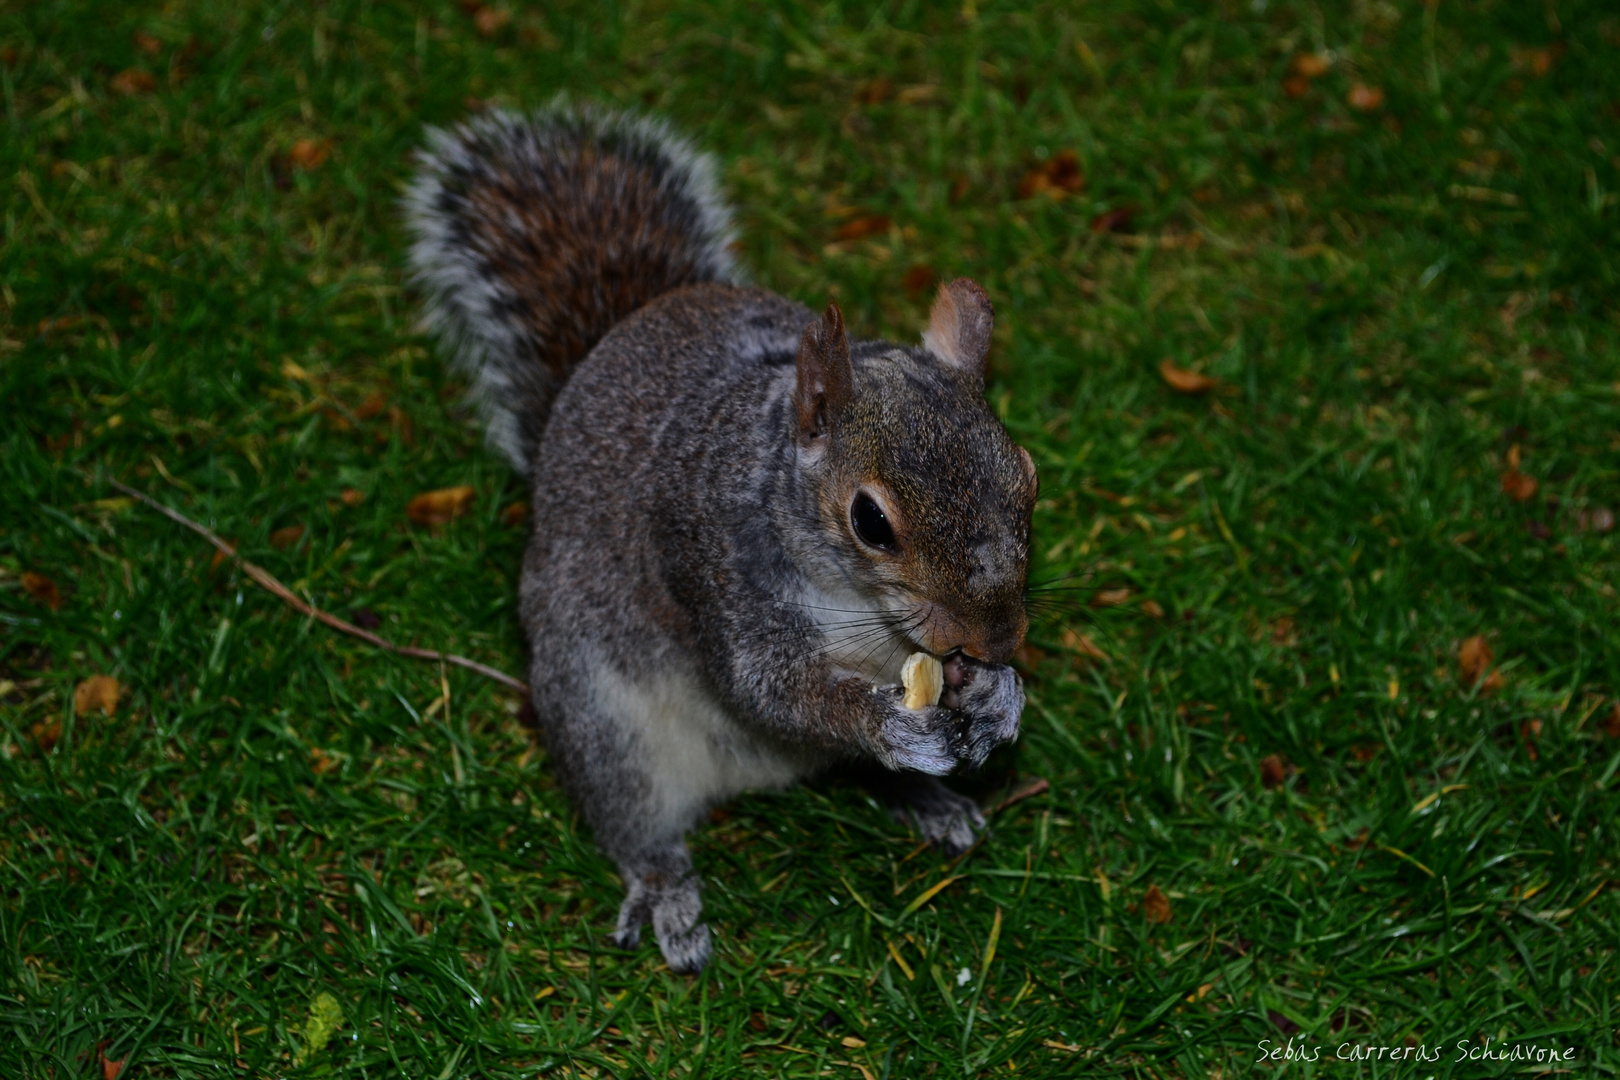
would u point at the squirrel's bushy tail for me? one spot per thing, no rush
(532, 235)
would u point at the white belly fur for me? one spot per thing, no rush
(694, 754)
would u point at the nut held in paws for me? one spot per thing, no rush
(924, 678)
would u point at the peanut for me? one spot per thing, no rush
(924, 678)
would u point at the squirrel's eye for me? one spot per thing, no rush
(870, 523)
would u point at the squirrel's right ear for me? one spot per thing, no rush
(826, 379)
(959, 326)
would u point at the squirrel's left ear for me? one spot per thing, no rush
(959, 326)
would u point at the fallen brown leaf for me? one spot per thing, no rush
(1057, 176)
(920, 278)
(97, 693)
(220, 556)
(1530, 731)
(1183, 381)
(1611, 726)
(109, 1069)
(1152, 610)
(1155, 906)
(42, 589)
(1365, 751)
(1282, 631)
(370, 407)
(147, 43)
(1364, 98)
(489, 20)
(133, 81)
(1312, 65)
(309, 154)
(874, 91)
(1296, 86)
(862, 227)
(1474, 658)
(287, 537)
(513, 515)
(321, 761)
(46, 734)
(1077, 642)
(438, 507)
(1273, 771)
(1519, 487)
(1117, 220)
(1110, 597)
(1537, 61)
(352, 496)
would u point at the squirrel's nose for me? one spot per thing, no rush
(998, 641)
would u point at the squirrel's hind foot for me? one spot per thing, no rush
(662, 888)
(948, 820)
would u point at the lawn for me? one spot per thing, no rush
(1326, 683)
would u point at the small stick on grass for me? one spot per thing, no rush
(268, 582)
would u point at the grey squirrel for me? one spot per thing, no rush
(743, 520)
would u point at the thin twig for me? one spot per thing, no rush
(268, 582)
(1038, 786)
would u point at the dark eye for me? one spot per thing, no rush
(870, 523)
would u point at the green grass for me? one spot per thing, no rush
(1390, 300)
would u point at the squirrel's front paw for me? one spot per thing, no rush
(989, 703)
(916, 740)
(982, 714)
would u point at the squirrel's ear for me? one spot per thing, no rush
(959, 326)
(826, 379)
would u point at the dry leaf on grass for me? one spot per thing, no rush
(309, 154)
(1273, 771)
(1152, 610)
(1183, 381)
(1057, 176)
(133, 82)
(1117, 220)
(1110, 597)
(322, 762)
(147, 43)
(1312, 65)
(1082, 645)
(862, 227)
(1611, 726)
(514, 515)
(1530, 731)
(370, 407)
(351, 496)
(488, 21)
(1474, 658)
(1519, 487)
(1155, 906)
(874, 91)
(1537, 61)
(46, 733)
(98, 693)
(42, 589)
(109, 1069)
(1364, 98)
(1296, 86)
(287, 537)
(438, 507)
(919, 279)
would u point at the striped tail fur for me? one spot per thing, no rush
(532, 235)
